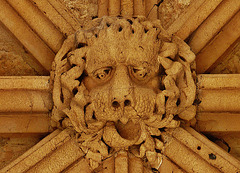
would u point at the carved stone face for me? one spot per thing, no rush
(123, 80)
(119, 83)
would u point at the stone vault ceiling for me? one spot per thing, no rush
(32, 32)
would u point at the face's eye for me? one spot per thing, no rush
(140, 73)
(102, 73)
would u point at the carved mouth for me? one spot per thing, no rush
(129, 131)
(119, 135)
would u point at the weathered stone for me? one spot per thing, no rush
(117, 83)
(230, 65)
(223, 41)
(129, 138)
(84, 11)
(213, 24)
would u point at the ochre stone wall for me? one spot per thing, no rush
(231, 65)
(83, 10)
(12, 147)
(170, 11)
(13, 57)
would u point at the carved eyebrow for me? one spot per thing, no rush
(142, 64)
(136, 63)
(96, 64)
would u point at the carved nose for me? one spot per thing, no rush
(121, 88)
(117, 104)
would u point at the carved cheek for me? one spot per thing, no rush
(145, 101)
(154, 84)
(102, 104)
(89, 83)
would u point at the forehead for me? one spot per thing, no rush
(105, 53)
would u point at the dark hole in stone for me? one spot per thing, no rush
(192, 71)
(145, 30)
(162, 70)
(115, 104)
(155, 109)
(162, 129)
(169, 58)
(166, 98)
(178, 102)
(132, 31)
(61, 121)
(108, 24)
(81, 77)
(197, 102)
(141, 47)
(212, 156)
(157, 137)
(130, 21)
(145, 159)
(159, 3)
(177, 118)
(198, 148)
(214, 139)
(182, 58)
(96, 35)
(93, 116)
(80, 45)
(107, 71)
(127, 103)
(61, 96)
(84, 58)
(109, 148)
(64, 57)
(73, 65)
(94, 17)
(162, 86)
(99, 76)
(85, 107)
(120, 29)
(75, 91)
(163, 116)
(154, 170)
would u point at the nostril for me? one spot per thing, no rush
(115, 104)
(127, 103)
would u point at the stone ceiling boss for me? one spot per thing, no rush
(119, 84)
